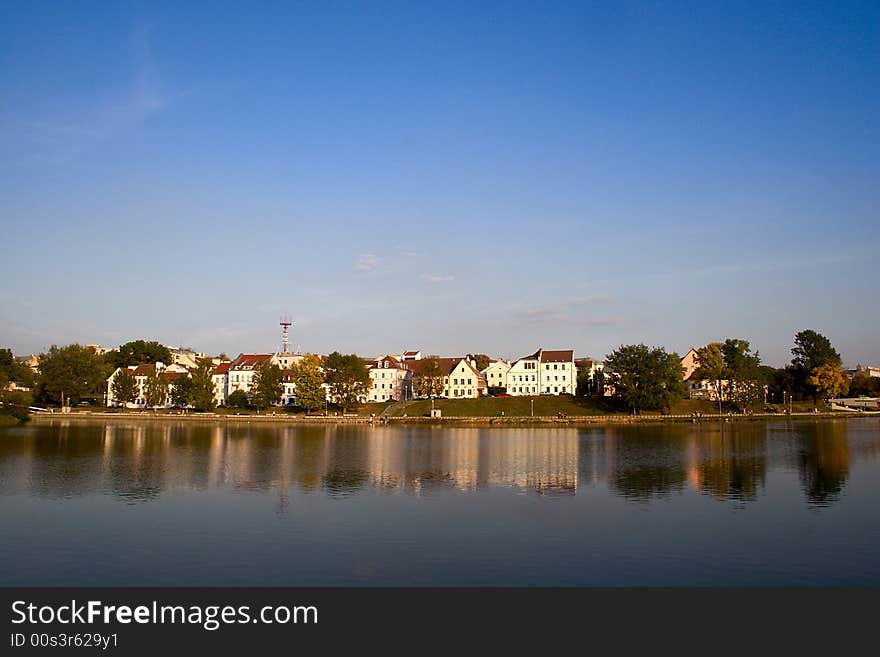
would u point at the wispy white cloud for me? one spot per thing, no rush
(367, 262)
(437, 278)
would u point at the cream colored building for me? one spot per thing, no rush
(461, 379)
(496, 374)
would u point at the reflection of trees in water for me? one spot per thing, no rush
(644, 465)
(729, 462)
(823, 461)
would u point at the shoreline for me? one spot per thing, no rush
(502, 421)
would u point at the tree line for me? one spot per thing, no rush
(645, 377)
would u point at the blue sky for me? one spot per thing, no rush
(451, 177)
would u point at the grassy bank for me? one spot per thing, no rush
(507, 406)
(9, 421)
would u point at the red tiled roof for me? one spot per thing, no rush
(144, 370)
(557, 356)
(551, 356)
(393, 363)
(171, 376)
(249, 360)
(222, 368)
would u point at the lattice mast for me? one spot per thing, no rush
(285, 325)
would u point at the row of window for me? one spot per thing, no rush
(526, 389)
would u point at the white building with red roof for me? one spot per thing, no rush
(545, 372)
(240, 375)
(390, 379)
(220, 378)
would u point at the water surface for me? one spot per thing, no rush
(181, 504)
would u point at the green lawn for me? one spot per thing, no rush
(509, 406)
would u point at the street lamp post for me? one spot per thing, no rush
(532, 400)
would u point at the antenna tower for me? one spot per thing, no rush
(285, 325)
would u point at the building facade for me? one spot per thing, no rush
(545, 372)
(496, 374)
(390, 380)
(241, 372)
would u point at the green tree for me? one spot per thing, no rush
(645, 377)
(309, 381)
(347, 377)
(124, 387)
(812, 350)
(73, 371)
(427, 380)
(203, 386)
(742, 370)
(599, 382)
(481, 361)
(15, 371)
(181, 392)
(268, 385)
(584, 382)
(7, 363)
(156, 390)
(139, 352)
(237, 399)
(710, 367)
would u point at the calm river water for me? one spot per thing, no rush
(184, 504)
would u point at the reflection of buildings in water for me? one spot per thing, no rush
(543, 460)
(469, 458)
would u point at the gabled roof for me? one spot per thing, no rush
(222, 368)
